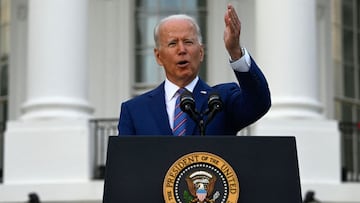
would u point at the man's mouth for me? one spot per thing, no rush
(183, 63)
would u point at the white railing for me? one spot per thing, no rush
(101, 129)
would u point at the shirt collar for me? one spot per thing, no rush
(171, 88)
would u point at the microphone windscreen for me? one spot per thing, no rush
(187, 101)
(214, 102)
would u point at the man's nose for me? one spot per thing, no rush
(181, 48)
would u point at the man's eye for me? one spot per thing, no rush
(171, 44)
(189, 42)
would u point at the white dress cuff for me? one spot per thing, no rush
(242, 64)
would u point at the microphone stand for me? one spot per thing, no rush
(202, 126)
(210, 113)
(201, 122)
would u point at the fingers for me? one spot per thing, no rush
(232, 19)
(232, 33)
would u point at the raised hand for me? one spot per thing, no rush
(232, 33)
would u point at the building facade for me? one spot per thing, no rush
(67, 62)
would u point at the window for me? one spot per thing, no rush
(148, 74)
(348, 98)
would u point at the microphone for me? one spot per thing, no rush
(215, 105)
(187, 104)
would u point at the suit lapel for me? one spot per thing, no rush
(158, 108)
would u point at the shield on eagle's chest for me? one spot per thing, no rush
(201, 194)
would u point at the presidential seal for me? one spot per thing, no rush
(201, 177)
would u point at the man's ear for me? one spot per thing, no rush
(202, 53)
(157, 56)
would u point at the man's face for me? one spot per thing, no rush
(179, 51)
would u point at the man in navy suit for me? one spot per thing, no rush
(180, 51)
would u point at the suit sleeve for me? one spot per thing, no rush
(125, 125)
(253, 100)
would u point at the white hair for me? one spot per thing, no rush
(177, 16)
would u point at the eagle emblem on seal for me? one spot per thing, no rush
(201, 186)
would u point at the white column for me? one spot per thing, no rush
(57, 69)
(286, 50)
(51, 143)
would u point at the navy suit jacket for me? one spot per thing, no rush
(242, 105)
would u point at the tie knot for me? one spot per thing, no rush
(181, 90)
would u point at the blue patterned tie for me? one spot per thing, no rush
(179, 117)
